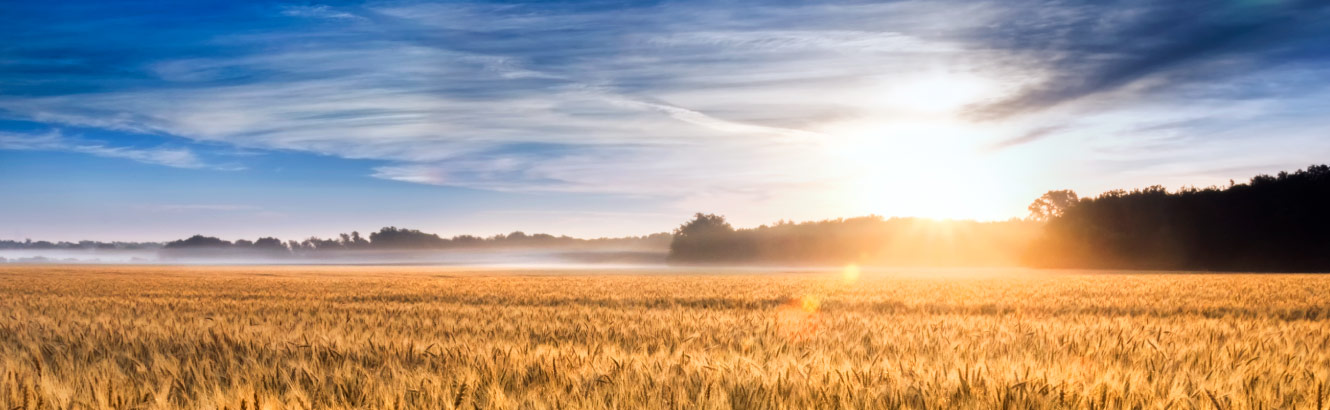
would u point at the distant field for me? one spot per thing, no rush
(120, 337)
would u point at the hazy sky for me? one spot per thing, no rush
(153, 120)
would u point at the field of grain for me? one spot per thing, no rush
(122, 337)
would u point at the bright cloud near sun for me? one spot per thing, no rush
(914, 153)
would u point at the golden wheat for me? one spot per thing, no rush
(442, 338)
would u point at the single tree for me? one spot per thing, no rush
(1052, 204)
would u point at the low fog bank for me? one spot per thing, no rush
(78, 255)
(388, 246)
(461, 257)
(30, 251)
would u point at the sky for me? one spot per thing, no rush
(155, 120)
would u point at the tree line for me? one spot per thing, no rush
(1271, 223)
(396, 239)
(709, 239)
(80, 245)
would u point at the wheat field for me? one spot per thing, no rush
(137, 337)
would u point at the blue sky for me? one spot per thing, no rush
(153, 120)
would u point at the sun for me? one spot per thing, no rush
(920, 158)
(922, 171)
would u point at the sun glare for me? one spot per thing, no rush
(919, 157)
(932, 93)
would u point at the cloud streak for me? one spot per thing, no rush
(1026, 138)
(318, 11)
(1089, 49)
(54, 141)
(669, 99)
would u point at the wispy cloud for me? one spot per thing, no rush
(1088, 49)
(439, 112)
(676, 98)
(1025, 138)
(54, 141)
(318, 11)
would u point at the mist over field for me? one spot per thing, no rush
(388, 246)
(78, 255)
(548, 258)
(461, 257)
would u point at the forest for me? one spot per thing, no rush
(398, 239)
(1278, 223)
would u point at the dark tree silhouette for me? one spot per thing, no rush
(395, 238)
(30, 244)
(270, 245)
(1052, 204)
(1273, 223)
(357, 242)
(198, 241)
(707, 238)
(704, 224)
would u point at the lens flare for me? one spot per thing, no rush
(799, 318)
(810, 303)
(850, 274)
